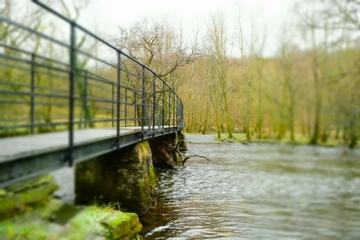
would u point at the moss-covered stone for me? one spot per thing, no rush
(33, 183)
(181, 141)
(86, 224)
(30, 224)
(122, 225)
(30, 192)
(2, 193)
(152, 176)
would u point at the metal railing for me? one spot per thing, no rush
(81, 82)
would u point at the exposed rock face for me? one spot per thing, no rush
(126, 177)
(167, 150)
(181, 142)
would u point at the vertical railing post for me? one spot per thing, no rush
(174, 110)
(112, 105)
(143, 99)
(126, 104)
(178, 105)
(136, 117)
(84, 103)
(85, 100)
(169, 118)
(32, 97)
(154, 102)
(72, 91)
(182, 114)
(118, 99)
(163, 108)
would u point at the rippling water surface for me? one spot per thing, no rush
(259, 191)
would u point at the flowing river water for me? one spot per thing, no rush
(258, 191)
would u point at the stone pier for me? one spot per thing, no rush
(124, 178)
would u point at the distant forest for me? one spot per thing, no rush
(309, 91)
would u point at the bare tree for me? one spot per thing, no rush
(287, 59)
(319, 44)
(158, 44)
(343, 17)
(219, 60)
(327, 25)
(251, 63)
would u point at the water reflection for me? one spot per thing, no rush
(259, 191)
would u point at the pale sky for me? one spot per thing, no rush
(270, 15)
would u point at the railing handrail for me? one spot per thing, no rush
(37, 64)
(58, 90)
(85, 30)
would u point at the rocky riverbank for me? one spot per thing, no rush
(30, 211)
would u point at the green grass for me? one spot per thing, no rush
(299, 140)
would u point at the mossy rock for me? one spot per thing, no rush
(31, 192)
(31, 224)
(33, 183)
(122, 225)
(90, 223)
(3, 192)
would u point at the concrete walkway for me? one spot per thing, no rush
(21, 146)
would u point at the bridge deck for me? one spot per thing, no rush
(23, 146)
(24, 157)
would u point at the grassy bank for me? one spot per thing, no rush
(299, 140)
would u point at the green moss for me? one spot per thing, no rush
(144, 192)
(42, 180)
(143, 149)
(147, 182)
(31, 223)
(152, 176)
(2, 192)
(86, 223)
(122, 225)
(92, 221)
(31, 192)
(146, 185)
